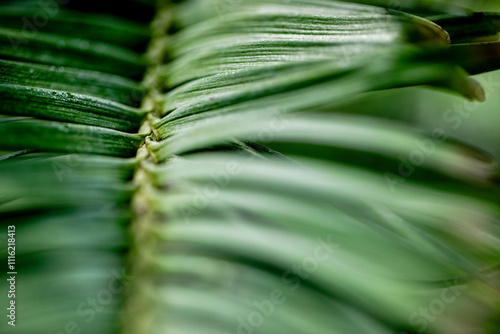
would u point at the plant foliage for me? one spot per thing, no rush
(184, 168)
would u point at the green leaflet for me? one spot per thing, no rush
(98, 179)
(234, 87)
(59, 50)
(64, 106)
(89, 26)
(82, 229)
(73, 80)
(318, 84)
(50, 136)
(193, 11)
(292, 25)
(275, 35)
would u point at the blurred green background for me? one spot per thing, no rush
(475, 123)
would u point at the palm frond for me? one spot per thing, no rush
(225, 192)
